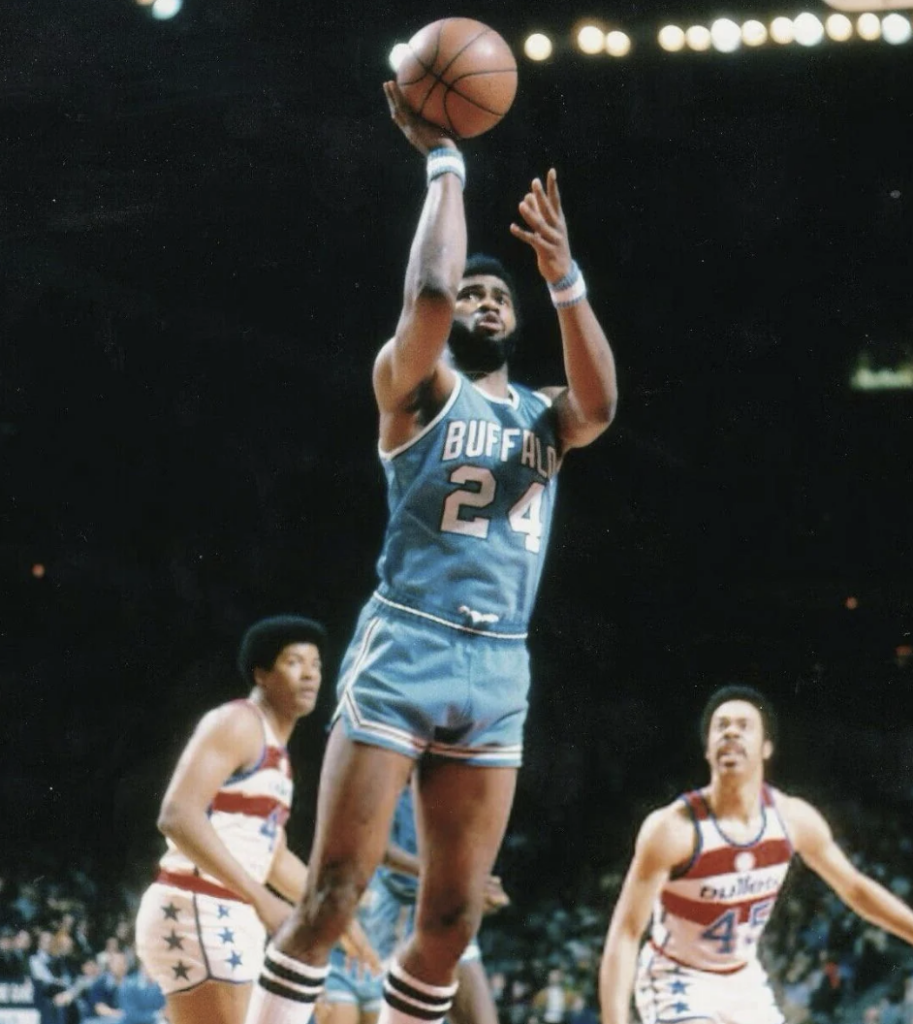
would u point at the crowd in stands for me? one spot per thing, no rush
(67, 950)
(73, 944)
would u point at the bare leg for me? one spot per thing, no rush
(359, 787)
(473, 1003)
(213, 1002)
(462, 814)
(336, 1013)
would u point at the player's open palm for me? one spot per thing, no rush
(424, 135)
(546, 229)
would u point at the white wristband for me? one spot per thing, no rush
(568, 290)
(445, 161)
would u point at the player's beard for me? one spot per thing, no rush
(476, 353)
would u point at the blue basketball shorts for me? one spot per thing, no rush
(388, 919)
(349, 981)
(414, 685)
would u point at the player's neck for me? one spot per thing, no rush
(736, 798)
(282, 725)
(494, 384)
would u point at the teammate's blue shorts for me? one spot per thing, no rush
(414, 685)
(349, 981)
(388, 918)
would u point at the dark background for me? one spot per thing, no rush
(204, 228)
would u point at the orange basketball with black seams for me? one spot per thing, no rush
(459, 74)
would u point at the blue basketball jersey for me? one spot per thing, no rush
(470, 508)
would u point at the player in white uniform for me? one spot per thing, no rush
(202, 925)
(709, 867)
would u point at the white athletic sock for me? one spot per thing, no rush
(285, 991)
(410, 1001)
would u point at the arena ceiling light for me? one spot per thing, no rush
(754, 33)
(725, 35)
(782, 30)
(895, 29)
(591, 39)
(868, 27)
(698, 38)
(671, 38)
(397, 55)
(838, 27)
(538, 46)
(617, 43)
(163, 10)
(807, 29)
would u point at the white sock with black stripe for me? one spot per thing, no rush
(410, 1001)
(285, 991)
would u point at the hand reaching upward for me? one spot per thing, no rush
(424, 135)
(546, 229)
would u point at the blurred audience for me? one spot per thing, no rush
(69, 952)
(66, 945)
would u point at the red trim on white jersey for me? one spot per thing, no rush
(194, 883)
(254, 806)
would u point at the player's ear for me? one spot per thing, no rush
(767, 750)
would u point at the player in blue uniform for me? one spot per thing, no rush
(437, 672)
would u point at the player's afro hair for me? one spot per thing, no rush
(265, 639)
(739, 691)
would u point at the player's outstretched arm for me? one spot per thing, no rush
(661, 844)
(586, 406)
(226, 740)
(815, 844)
(436, 260)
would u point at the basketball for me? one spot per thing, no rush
(458, 74)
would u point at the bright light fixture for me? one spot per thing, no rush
(895, 29)
(671, 38)
(591, 39)
(754, 33)
(398, 55)
(698, 37)
(538, 46)
(162, 10)
(838, 27)
(782, 30)
(869, 27)
(808, 29)
(617, 44)
(725, 35)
